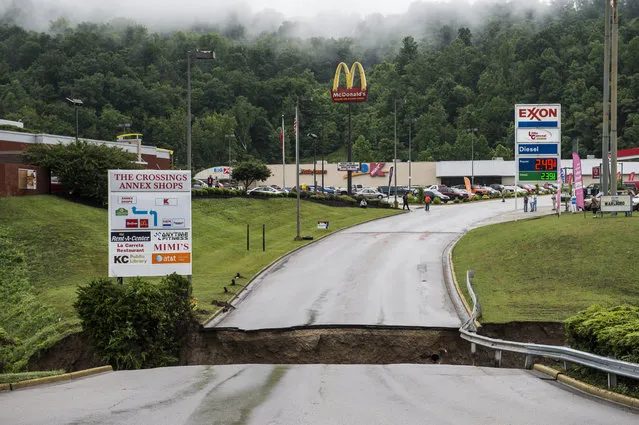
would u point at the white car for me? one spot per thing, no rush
(513, 189)
(369, 193)
(265, 189)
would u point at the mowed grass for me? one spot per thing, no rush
(67, 243)
(550, 268)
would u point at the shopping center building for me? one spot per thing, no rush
(374, 174)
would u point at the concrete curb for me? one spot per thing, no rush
(587, 388)
(56, 378)
(283, 257)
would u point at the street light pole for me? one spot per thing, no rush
(75, 102)
(395, 154)
(230, 137)
(410, 173)
(472, 154)
(199, 54)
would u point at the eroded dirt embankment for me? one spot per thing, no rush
(324, 346)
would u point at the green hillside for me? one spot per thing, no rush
(49, 246)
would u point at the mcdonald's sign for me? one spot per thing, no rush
(350, 93)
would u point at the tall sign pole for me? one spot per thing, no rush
(283, 155)
(349, 95)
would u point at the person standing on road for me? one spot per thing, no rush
(405, 200)
(526, 202)
(534, 202)
(427, 203)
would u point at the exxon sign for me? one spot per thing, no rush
(538, 116)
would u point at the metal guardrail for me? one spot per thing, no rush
(609, 365)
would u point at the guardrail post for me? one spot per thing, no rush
(473, 348)
(566, 365)
(497, 358)
(612, 380)
(528, 363)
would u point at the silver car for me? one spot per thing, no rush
(369, 193)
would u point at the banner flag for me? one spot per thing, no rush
(579, 182)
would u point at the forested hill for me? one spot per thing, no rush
(448, 77)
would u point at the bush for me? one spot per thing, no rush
(81, 166)
(457, 201)
(485, 197)
(437, 200)
(138, 324)
(610, 331)
(475, 198)
(348, 199)
(466, 200)
(421, 195)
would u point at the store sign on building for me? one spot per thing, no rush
(149, 222)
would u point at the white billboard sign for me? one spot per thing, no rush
(149, 222)
(348, 166)
(616, 203)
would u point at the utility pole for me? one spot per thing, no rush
(297, 171)
(605, 133)
(204, 54)
(613, 96)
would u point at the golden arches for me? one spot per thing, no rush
(350, 75)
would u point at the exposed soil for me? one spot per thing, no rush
(324, 346)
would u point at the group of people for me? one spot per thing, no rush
(533, 202)
(406, 206)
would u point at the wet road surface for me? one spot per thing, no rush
(310, 395)
(386, 272)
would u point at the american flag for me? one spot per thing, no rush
(281, 137)
(295, 126)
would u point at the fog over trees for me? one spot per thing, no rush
(453, 68)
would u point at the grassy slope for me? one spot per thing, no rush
(550, 268)
(66, 243)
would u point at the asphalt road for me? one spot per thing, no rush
(386, 272)
(310, 395)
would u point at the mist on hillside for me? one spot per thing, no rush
(223, 15)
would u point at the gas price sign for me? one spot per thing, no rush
(538, 169)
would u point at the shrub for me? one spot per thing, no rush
(612, 331)
(437, 200)
(485, 197)
(348, 199)
(138, 324)
(466, 200)
(421, 195)
(457, 201)
(475, 198)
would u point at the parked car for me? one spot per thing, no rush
(198, 184)
(491, 191)
(265, 189)
(436, 194)
(445, 190)
(479, 190)
(497, 187)
(515, 189)
(368, 193)
(461, 193)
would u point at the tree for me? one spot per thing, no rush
(82, 167)
(249, 172)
